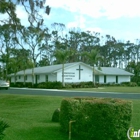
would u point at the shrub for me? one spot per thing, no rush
(130, 84)
(133, 84)
(21, 84)
(29, 84)
(67, 112)
(99, 119)
(50, 85)
(3, 126)
(42, 85)
(138, 83)
(55, 117)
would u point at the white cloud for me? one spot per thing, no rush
(94, 8)
(79, 22)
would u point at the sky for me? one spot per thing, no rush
(118, 18)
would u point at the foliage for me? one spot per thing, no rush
(102, 119)
(45, 85)
(130, 84)
(50, 85)
(3, 126)
(55, 117)
(30, 117)
(80, 85)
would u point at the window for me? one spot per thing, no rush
(116, 79)
(46, 78)
(104, 78)
(19, 77)
(97, 78)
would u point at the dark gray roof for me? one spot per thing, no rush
(111, 71)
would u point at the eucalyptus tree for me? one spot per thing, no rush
(107, 50)
(119, 47)
(9, 8)
(57, 35)
(89, 41)
(20, 60)
(7, 43)
(32, 7)
(33, 41)
(134, 67)
(73, 44)
(137, 48)
(46, 49)
(127, 52)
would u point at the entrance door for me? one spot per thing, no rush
(104, 78)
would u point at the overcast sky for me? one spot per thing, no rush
(118, 18)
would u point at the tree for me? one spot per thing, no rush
(7, 6)
(32, 7)
(93, 58)
(134, 67)
(20, 60)
(34, 40)
(61, 57)
(7, 43)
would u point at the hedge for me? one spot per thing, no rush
(45, 85)
(99, 119)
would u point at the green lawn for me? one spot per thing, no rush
(29, 117)
(110, 89)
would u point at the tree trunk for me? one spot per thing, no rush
(33, 75)
(24, 77)
(63, 82)
(93, 77)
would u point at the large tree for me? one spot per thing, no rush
(7, 43)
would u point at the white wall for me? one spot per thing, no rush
(72, 74)
(123, 79)
(52, 77)
(42, 78)
(110, 79)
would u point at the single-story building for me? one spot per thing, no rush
(73, 73)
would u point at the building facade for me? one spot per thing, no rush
(73, 73)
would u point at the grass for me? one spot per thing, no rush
(110, 89)
(30, 116)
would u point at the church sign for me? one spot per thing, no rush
(69, 75)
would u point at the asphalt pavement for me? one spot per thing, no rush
(68, 93)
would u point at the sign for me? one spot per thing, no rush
(131, 133)
(69, 75)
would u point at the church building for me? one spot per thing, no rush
(73, 73)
